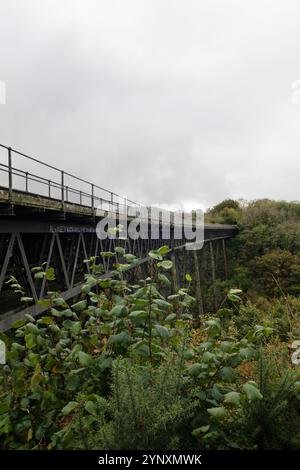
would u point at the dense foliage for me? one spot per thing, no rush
(265, 254)
(125, 367)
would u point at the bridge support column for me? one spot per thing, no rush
(198, 287)
(174, 273)
(213, 273)
(225, 259)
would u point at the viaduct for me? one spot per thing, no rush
(48, 215)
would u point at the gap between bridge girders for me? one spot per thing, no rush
(7, 319)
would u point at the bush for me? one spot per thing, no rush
(146, 409)
(274, 421)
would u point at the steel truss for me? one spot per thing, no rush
(68, 253)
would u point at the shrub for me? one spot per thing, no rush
(145, 410)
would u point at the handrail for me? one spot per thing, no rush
(40, 179)
(65, 189)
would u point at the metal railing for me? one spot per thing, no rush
(94, 197)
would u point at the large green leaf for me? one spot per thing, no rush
(129, 257)
(252, 391)
(142, 348)
(155, 255)
(171, 317)
(161, 331)
(37, 378)
(162, 303)
(167, 264)
(195, 369)
(76, 327)
(138, 314)
(107, 254)
(163, 279)
(91, 407)
(218, 412)
(71, 406)
(32, 328)
(122, 339)
(201, 430)
(119, 310)
(59, 302)
(30, 340)
(227, 374)
(18, 323)
(47, 320)
(120, 250)
(85, 359)
(232, 398)
(79, 306)
(163, 250)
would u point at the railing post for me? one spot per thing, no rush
(62, 187)
(67, 194)
(49, 188)
(92, 198)
(111, 201)
(26, 181)
(80, 197)
(9, 172)
(125, 207)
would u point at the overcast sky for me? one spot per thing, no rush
(175, 102)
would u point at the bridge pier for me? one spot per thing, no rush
(198, 287)
(174, 273)
(225, 259)
(213, 273)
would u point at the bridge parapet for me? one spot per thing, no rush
(24, 175)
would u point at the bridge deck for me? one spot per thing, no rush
(42, 214)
